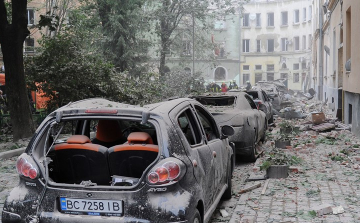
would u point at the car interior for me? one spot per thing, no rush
(100, 151)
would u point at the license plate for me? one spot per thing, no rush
(91, 207)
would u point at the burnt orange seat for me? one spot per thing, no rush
(108, 133)
(132, 158)
(79, 160)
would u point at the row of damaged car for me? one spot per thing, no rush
(102, 161)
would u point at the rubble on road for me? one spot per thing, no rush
(324, 187)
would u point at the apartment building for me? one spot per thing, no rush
(277, 42)
(336, 78)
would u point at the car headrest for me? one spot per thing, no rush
(140, 137)
(108, 131)
(78, 139)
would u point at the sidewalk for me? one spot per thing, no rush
(329, 176)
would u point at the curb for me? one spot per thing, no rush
(12, 153)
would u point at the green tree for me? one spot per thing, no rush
(12, 36)
(66, 72)
(124, 27)
(169, 14)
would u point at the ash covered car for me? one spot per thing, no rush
(100, 161)
(237, 109)
(262, 102)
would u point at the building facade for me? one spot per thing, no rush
(336, 46)
(277, 42)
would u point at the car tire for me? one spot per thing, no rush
(252, 155)
(197, 217)
(271, 120)
(263, 137)
(228, 192)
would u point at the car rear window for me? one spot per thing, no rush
(253, 94)
(218, 101)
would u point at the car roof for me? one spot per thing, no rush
(80, 107)
(222, 95)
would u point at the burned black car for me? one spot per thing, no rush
(100, 161)
(238, 109)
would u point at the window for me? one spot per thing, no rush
(270, 45)
(296, 43)
(284, 75)
(310, 12)
(270, 19)
(29, 45)
(270, 67)
(186, 123)
(296, 78)
(310, 41)
(304, 14)
(270, 76)
(284, 42)
(296, 66)
(258, 77)
(296, 17)
(220, 74)
(208, 124)
(303, 65)
(251, 102)
(246, 45)
(350, 114)
(258, 67)
(258, 20)
(246, 21)
(186, 48)
(187, 71)
(258, 45)
(284, 18)
(246, 67)
(304, 43)
(31, 16)
(220, 49)
(246, 77)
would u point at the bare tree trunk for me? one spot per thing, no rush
(12, 38)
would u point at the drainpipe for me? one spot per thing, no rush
(240, 47)
(321, 52)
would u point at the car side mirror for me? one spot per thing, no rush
(227, 130)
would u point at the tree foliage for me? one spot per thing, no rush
(124, 27)
(65, 72)
(168, 15)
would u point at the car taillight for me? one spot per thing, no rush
(165, 173)
(26, 169)
(19, 164)
(174, 170)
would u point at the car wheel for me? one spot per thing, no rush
(271, 120)
(228, 192)
(252, 155)
(197, 217)
(263, 137)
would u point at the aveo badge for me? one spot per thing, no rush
(157, 189)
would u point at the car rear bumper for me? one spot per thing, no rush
(9, 217)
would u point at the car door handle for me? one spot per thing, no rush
(214, 154)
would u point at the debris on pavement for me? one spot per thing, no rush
(224, 213)
(250, 188)
(338, 210)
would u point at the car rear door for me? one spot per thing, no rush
(218, 149)
(198, 151)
